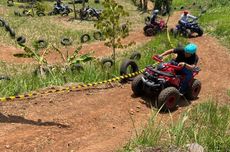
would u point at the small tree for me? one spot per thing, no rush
(163, 5)
(109, 24)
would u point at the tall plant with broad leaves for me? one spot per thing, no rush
(70, 60)
(38, 57)
(110, 25)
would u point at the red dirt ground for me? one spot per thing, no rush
(100, 120)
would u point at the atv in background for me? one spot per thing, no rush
(151, 29)
(188, 29)
(163, 82)
(64, 10)
(87, 12)
(78, 1)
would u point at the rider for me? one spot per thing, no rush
(154, 17)
(187, 58)
(185, 18)
(58, 2)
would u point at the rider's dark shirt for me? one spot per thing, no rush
(153, 18)
(58, 3)
(181, 57)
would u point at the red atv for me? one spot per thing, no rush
(151, 29)
(163, 82)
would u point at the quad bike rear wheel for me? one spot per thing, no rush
(137, 85)
(200, 32)
(193, 90)
(187, 33)
(168, 99)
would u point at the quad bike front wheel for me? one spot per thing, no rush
(149, 31)
(168, 99)
(137, 85)
(193, 90)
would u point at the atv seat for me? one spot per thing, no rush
(162, 73)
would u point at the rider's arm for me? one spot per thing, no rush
(192, 17)
(166, 53)
(190, 67)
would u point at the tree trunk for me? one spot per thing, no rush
(74, 9)
(158, 5)
(141, 4)
(145, 8)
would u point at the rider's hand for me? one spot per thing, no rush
(160, 57)
(182, 64)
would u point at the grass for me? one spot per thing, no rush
(217, 23)
(207, 124)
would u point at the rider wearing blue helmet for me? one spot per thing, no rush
(187, 58)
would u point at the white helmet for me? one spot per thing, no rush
(155, 11)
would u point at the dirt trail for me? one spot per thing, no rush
(100, 120)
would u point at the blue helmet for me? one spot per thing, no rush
(190, 48)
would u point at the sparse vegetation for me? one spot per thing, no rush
(207, 124)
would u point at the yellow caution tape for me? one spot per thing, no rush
(70, 88)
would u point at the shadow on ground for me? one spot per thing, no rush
(22, 120)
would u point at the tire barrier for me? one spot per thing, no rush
(107, 62)
(21, 40)
(85, 38)
(12, 33)
(41, 44)
(2, 22)
(10, 3)
(17, 13)
(77, 68)
(5, 24)
(135, 56)
(40, 14)
(128, 66)
(97, 35)
(2, 77)
(66, 41)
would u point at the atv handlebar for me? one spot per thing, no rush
(158, 59)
